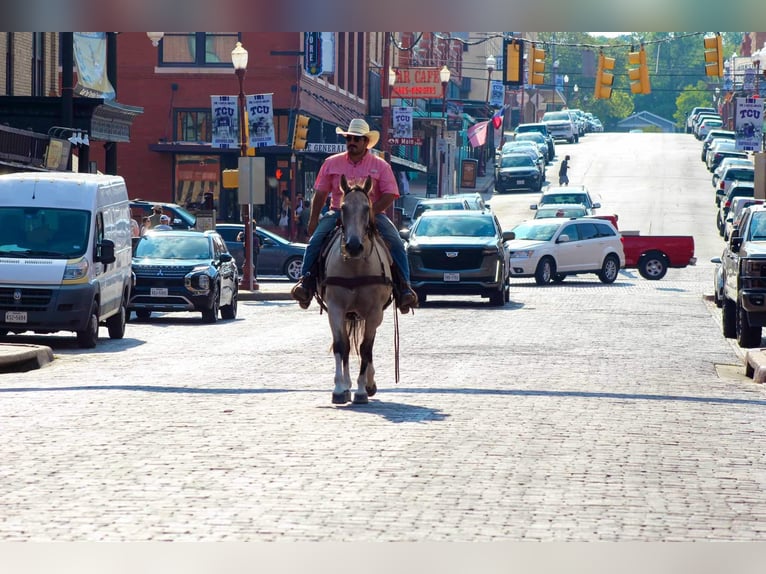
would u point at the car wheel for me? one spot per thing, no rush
(545, 271)
(229, 311)
(729, 319)
(497, 298)
(210, 315)
(293, 268)
(116, 323)
(422, 297)
(610, 269)
(143, 314)
(747, 336)
(87, 338)
(653, 266)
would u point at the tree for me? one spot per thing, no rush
(690, 98)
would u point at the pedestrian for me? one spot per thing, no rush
(563, 177)
(164, 224)
(303, 220)
(284, 215)
(147, 224)
(135, 230)
(356, 163)
(156, 215)
(404, 183)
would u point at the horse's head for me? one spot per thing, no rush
(356, 215)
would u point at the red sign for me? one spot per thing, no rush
(417, 83)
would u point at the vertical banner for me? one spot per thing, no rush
(748, 124)
(260, 114)
(225, 123)
(402, 122)
(312, 53)
(454, 116)
(496, 94)
(90, 60)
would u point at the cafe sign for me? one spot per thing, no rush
(417, 83)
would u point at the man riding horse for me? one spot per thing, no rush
(356, 163)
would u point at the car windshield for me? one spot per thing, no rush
(531, 232)
(560, 212)
(161, 246)
(555, 116)
(455, 226)
(516, 160)
(758, 226)
(564, 198)
(44, 231)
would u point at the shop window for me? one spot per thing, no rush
(197, 49)
(193, 126)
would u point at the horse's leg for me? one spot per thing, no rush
(366, 386)
(340, 347)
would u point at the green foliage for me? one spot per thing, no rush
(690, 98)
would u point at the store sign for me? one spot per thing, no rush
(405, 141)
(312, 53)
(421, 83)
(326, 147)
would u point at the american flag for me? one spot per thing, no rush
(497, 118)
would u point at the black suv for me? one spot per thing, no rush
(179, 217)
(184, 271)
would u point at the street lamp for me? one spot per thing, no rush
(553, 89)
(239, 61)
(566, 89)
(444, 75)
(491, 63)
(155, 37)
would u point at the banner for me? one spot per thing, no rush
(225, 123)
(402, 122)
(497, 94)
(454, 116)
(90, 60)
(477, 134)
(748, 124)
(260, 113)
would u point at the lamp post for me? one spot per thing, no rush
(491, 62)
(553, 88)
(576, 89)
(444, 75)
(239, 61)
(566, 90)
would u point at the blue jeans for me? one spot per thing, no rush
(387, 231)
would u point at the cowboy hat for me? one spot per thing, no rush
(359, 127)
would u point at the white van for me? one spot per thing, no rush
(65, 254)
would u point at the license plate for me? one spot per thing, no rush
(15, 316)
(519, 182)
(158, 292)
(452, 276)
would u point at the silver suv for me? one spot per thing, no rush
(561, 125)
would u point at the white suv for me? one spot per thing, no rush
(561, 125)
(551, 249)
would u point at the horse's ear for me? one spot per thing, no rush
(343, 183)
(367, 185)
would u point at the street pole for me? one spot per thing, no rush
(444, 75)
(239, 59)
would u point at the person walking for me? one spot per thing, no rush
(563, 169)
(356, 163)
(156, 215)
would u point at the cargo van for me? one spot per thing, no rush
(65, 254)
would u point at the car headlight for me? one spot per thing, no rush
(76, 271)
(198, 279)
(526, 254)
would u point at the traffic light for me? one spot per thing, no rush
(514, 63)
(639, 77)
(536, 65)
(714, 56)
(604, 78)
(301, 132)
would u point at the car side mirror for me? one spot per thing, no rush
(563, 238)
(508, 235)
(106, 252)
(533, 206)
(226, 257)
(735, 243)
(596, 205)
(404, 234)
(716, 260)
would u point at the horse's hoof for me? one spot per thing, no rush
(371, 390)
(341, 398)
(360, 399)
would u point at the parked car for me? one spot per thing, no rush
(693, 113)
(722, 149)
(737, 189)
(562, 210)
(729, 161)
(567, 194)
(277, 255)
(712, 135)
(561, 125)
(475, 200)
(551, 249)
(731, 174)
(540, 140)
(517, 171)
(458, 253)
(539, 127)
(180, 218)
(738, 206)
(184, 271)
(439, 203)
(528, 147)
(707, 125)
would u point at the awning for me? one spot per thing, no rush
(407, 165)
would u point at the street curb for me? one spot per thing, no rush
(264, 296)
(18, 357)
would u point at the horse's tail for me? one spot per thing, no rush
(355, 330)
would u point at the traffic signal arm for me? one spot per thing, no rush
(301, 132)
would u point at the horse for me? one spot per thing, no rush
(355, 288)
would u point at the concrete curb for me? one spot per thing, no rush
(755, 365)
(17, 357)
(265, 295)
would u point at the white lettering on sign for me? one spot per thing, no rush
(326, 147)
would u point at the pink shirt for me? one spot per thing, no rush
(328, 178)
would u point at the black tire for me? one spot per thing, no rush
(143, 314)
(293, 268)
(210, 315)
(609, 269)
(422, 296)
(653, 266)
(229, 312)
(729, 318)
(546, 270)
(88, 337)
(116, 323)
(497, 298)
(747, 336)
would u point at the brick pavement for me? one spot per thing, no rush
(578, 412)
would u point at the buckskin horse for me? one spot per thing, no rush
(356, 287)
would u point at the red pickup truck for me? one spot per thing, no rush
(652, 255)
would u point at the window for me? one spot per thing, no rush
(193, 126)
(196, 49)
(587, 230)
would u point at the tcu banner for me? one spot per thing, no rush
(402, 122)
(748, 124)
(225, 122)
(261, 117)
